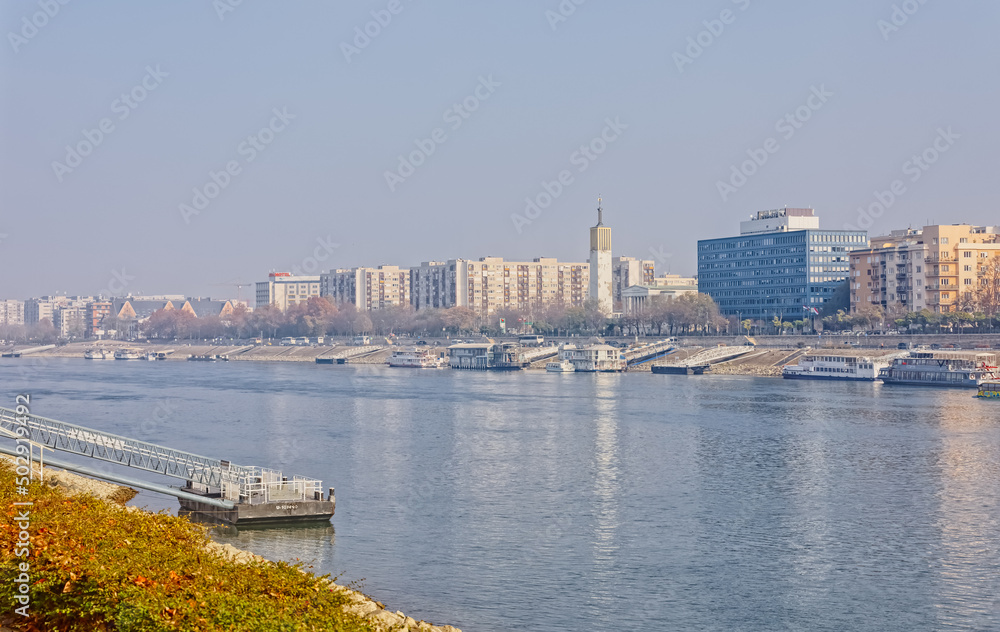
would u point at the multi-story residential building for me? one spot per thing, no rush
(284, 290)
(492, 284)
(38, 309)
(367, 288)
(11, 312)
(629, 271)
(70, 320)
(96, 312)
(890, 274)
(780, 264)
(957, 255)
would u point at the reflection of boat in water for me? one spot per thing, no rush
(129, 354)
(565, 366)
(824, 366)
(941, 368)
(98, 354)
(989, 389)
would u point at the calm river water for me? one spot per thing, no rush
(551, 502)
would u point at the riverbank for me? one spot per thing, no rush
(97, 564)
(772, 352)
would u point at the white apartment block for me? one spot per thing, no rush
(367, 288)
(491, 284)
(11, 312)
(284, 290)
(626, 272)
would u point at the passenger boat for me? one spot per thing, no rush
(826, 366)
(989, 389)
(941, 368)
(129, 354)
(563, 366)
(417, 359)
(98, 354)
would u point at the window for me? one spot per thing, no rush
(967, 254)
(968, 268)
(963, 240)
(968, 281)
(944, 241)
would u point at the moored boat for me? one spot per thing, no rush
(98, 354)
(989, 389)
(129, 354)
(563, 366)
(827, 366)
(417, 359)
(941, 368)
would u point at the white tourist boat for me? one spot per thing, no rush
(98, 354)
(828, 366)
(417, 359)
(129, 354)
(563, 366)
(942, 368)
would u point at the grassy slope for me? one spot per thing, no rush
(95, 566)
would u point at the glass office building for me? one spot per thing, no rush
(780, 265)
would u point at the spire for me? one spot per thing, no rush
(600, 212)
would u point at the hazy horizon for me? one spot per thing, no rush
(830, 104)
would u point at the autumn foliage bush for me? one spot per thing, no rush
(96, 566)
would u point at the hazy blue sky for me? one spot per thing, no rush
(323, 176)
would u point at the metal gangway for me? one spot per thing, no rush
(648, 352)
(237, 483)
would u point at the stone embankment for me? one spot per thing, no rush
(375, 611)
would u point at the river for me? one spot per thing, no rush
(565, 502)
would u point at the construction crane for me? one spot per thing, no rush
(239, 285)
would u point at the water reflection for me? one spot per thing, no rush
(607, 490)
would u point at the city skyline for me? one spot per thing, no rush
(209, 161)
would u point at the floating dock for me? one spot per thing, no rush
(215, 488)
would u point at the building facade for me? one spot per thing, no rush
(600, 264)
(284, 290)
(11, 312)
(958, 261)
(670, 286)
(491, 284)
(890, 274)
(367, 288)
(626, 272)
(780, 265)
(38, 309)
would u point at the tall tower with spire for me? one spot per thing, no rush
(600, 262)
